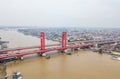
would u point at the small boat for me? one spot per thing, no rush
(116, 57)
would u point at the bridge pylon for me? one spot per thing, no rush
(64, 40)
(42, 41)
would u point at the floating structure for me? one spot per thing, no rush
(116, 57)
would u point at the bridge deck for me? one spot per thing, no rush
(9, 52)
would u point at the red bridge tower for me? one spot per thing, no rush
(42, 41)
(64, 40)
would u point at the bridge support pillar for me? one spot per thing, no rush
(75, 49)
(61, 51)
(68, 51)
(64, 40)
(42, 43)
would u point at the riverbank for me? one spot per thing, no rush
(116, 53)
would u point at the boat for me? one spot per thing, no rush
(116, 57)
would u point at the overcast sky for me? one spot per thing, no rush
(105, 13)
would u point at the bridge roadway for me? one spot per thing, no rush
(5, 51)
(40, 51)
(70, 45)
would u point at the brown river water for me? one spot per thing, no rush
(81, 64)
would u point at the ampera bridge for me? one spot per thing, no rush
(12, 54)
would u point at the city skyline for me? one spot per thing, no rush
(56, 13)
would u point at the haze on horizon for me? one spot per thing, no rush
(104, 13)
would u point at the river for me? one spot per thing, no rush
(79, 65)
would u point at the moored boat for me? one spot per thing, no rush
(116, 57)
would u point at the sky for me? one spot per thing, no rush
(56, 13)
